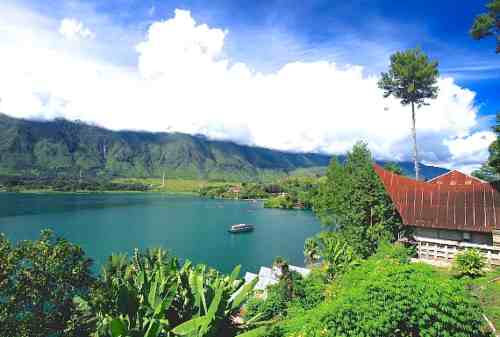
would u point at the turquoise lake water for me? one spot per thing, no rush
(189, 227)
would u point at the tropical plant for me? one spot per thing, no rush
(152, 295)
(38, 281)
(488, 24)
(412, 78)
(387, 298)
(336, 254)
(311, 251)
(469, 263)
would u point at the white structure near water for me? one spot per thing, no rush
(269, 276)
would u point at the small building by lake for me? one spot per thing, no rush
(447, 214)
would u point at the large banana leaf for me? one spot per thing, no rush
(243, 293)
(258, 332)
(191, 326)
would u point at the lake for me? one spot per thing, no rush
(189, 227)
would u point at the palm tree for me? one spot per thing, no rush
(311, 251)
(412, 78)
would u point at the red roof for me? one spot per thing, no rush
(451, 201)
(456, 178)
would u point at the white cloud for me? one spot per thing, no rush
(184, 81)
(73, 29)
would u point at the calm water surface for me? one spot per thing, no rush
(189, 227)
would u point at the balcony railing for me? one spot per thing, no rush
(445, 250)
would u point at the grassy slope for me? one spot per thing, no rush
(171, 185)
(63, 147)
(487, 289)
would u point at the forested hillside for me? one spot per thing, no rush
(62, 147)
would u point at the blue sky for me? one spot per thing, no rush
(276, 43)
(267, 34)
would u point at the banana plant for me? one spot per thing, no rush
(144, 296)
(219, 301)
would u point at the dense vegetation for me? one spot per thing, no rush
(291, 192)
(488, 24)
(66, 184)
(47, 289)
(385, 297)
(360, 283)
(73, 149)
(353, 201)
(64, 147)
(490, 171)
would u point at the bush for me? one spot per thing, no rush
(307, 293)
(387, 298)
(38, 281)
(396, 252)
(469, 263)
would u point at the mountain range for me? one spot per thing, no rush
(62, 147)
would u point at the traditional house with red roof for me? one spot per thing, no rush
(448, 213)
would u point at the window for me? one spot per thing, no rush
(466, 236)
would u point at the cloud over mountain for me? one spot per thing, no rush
(185, 81)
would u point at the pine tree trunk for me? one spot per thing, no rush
(414, 135)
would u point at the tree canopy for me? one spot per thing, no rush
(353, 201)
(488, 24)
(412, 77)
(38, 281)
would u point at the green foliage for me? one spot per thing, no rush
(336, 254)
(66, 184)
(38, 281)
(353, 201)
(396, 251)
(284, 201)
(469, 263)
(487, 289)
(306, 294)
(386, 298)
(152, 295)
(311, 251)
(490, 171)
(394, 168)
(488, 24)
(62, 147)
(412, 77)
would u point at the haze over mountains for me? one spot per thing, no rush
(64, 147)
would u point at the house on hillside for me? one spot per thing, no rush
(447, 214)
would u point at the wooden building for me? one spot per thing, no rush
(447, 214)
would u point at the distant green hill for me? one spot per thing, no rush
(62, 147)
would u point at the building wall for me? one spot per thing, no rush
(496, 237)
(454, 235)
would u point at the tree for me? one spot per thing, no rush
(353, 201)
(38, 282)
(488, 24)
(394, 168)
(490, 171)
(411, 78)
